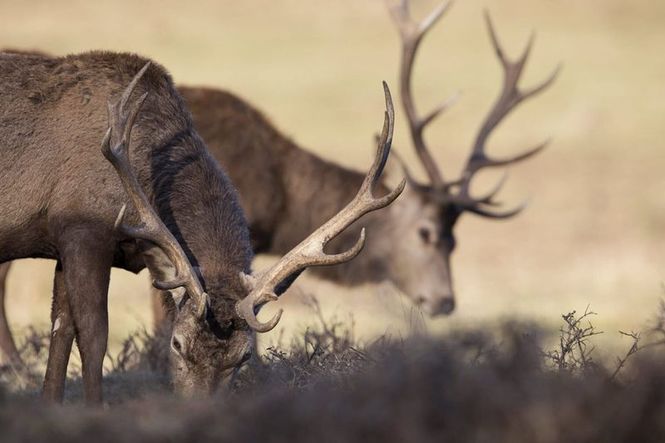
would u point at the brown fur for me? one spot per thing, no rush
(60, 197)
(305, 190)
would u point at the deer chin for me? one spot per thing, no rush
(188, 387)
(439, 307)
(211, 377)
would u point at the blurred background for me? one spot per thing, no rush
(594, 229)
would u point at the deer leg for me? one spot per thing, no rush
(62, 337)
(87, 257)
(7, 344)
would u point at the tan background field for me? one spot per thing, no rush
(594, 230)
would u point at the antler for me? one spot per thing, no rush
(310, 251)
(511, 96)
(411, 34)
(121, 122)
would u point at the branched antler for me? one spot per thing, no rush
(411, 34)
(509, 98)
(310, 251)
(121, 121)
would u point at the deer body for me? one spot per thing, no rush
(60, 197)
(50, 138)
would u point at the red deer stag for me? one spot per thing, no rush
(416, 232)
(431, 210)
(61, 199)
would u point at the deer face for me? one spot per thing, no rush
(419, 251)
(433, 218)
(206, 351)
(208, 342)
(212, 331)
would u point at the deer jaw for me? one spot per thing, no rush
(204, 355)
(417, 243)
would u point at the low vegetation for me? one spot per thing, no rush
(499, 386)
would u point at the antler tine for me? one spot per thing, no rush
(310, 251)
(508, 99)
(411, 34)
(464, 201)
(488, 198)
(433, 17)
(126, 94)
(434, 113)
(121, 122)
(495, 40)
(499, 215)
(400, 14)
(515, 158)
(535, 90)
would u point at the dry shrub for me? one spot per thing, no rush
(34, 351)
(471, 386)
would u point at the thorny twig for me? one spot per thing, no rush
(634, 348)
(574, 353)
(658, 330)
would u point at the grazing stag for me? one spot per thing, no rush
(61, 200)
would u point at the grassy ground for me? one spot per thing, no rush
(593, 232)
(470, 386)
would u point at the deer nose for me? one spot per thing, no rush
(442, 306)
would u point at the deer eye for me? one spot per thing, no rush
(177, 346)
(425, 235)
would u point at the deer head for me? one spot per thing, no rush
(212, 334)
(426, 216)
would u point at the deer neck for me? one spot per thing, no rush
(199, 205)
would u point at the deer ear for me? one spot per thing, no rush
(178, 295)
(248, 281)
(161, 268)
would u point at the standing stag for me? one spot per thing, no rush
(304, 190)
(62, 200)
(416, 232)
(433, 209)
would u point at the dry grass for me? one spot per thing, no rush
(471, 386)
(594, 231)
